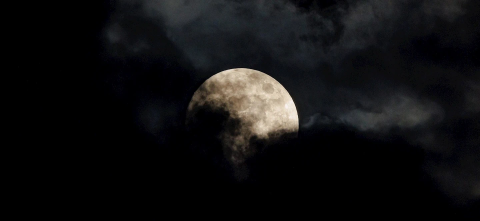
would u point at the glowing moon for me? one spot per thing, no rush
(256, 108)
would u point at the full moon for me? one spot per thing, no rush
(247, 109)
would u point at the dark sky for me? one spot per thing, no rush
(388, 96)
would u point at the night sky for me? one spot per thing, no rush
(387, 92)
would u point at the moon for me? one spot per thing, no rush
(243, 109)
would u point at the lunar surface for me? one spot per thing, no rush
(244, 110)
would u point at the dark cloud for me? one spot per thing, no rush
(386, 91)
